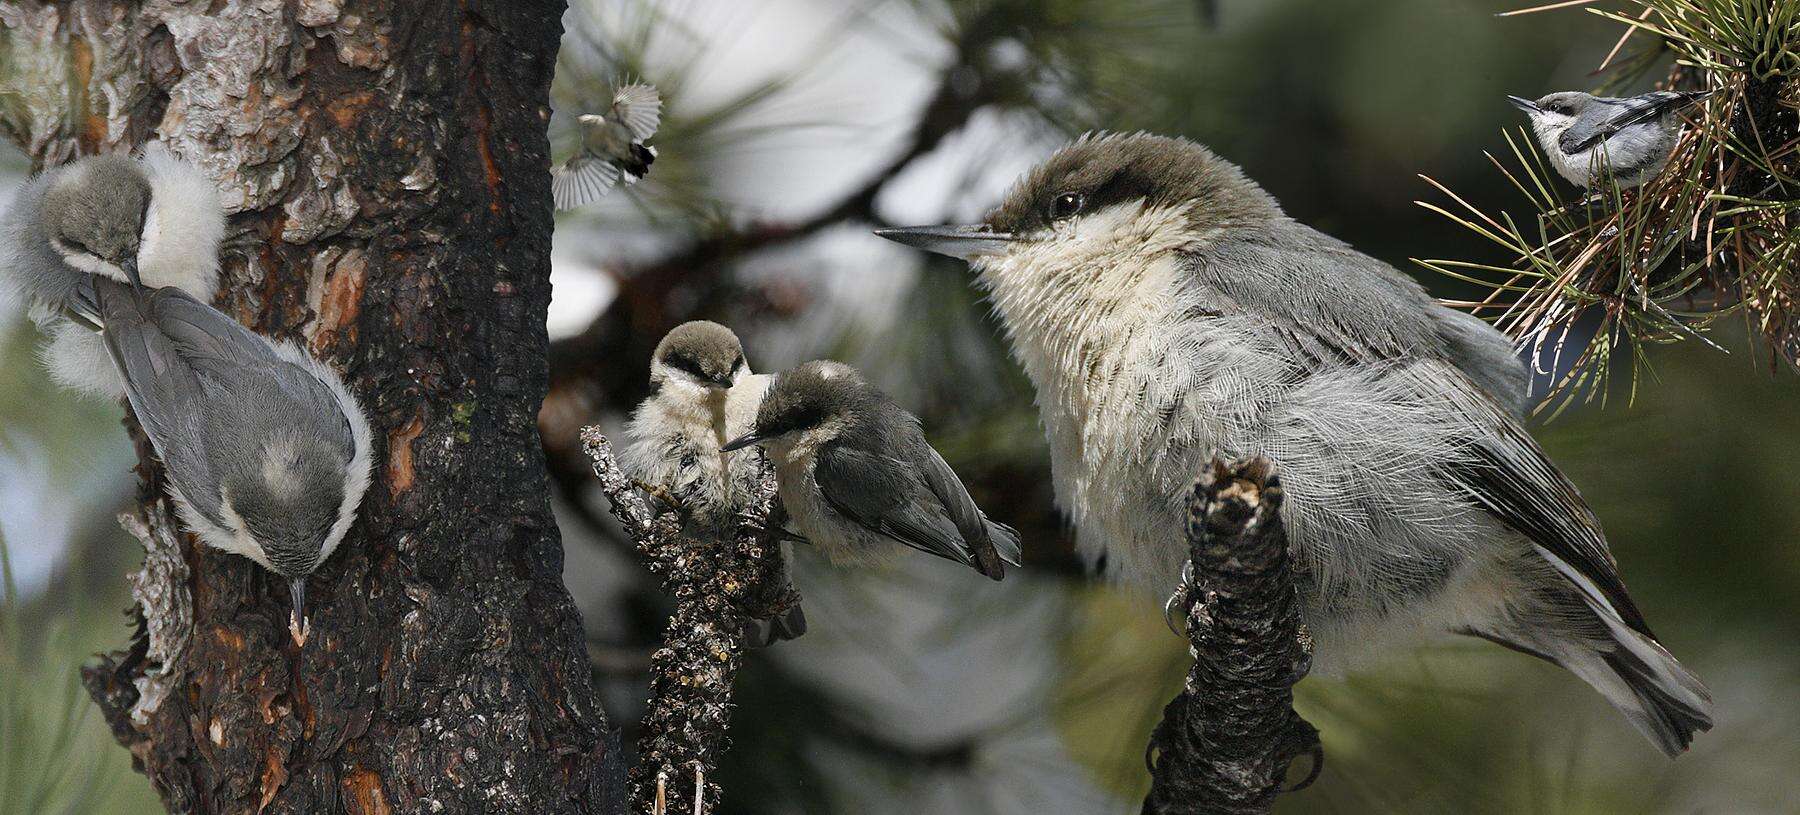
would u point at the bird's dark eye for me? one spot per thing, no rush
(1067, 205)
(78, 246)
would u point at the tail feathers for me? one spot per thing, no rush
(638, 165)
(1642, 680)
(1006, 542)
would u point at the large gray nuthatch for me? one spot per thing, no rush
(702, 393)
(612, 146)
(857, 476)
(267, 452)
(1168, 311)
(1589, 138)
(155, 216)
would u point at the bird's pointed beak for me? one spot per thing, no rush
(965, 242)
(741, 442)
(297, 625)
(1524, 104)
(130, 266)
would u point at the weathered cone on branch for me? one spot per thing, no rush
(1225, 742)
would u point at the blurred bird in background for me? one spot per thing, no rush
(612, 146)
(154, 217)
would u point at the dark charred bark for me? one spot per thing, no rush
(386, 165)
(1225, 743)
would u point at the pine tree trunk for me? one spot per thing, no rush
(386, 166)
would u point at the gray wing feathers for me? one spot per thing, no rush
(884, 494)
(1486, 356)
(166, 394)
(639, 107)
(205, 388)
(1368, 313)
(1602, 121)
(969, 519)
(1508, 474)
(582, 181)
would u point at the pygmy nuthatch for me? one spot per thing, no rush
(1167, 311)
(702, 393)
(612, 146)
(1589, 138)
(155, 217)
(856, 474)
(267, 452)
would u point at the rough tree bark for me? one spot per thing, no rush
(386, 165)
(1225, 743)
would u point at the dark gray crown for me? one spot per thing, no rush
(1567, 103)
(98, 206)
(810, 394)
(1100, 170)
(289, 502)
(703, 349)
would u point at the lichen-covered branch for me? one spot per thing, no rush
(718, 586)
(1225, 743)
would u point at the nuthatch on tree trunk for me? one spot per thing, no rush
(1589, 138)
(1168, 311)
(155, 217)
(267, 452)
(857, 476)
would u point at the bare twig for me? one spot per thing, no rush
(718, 587)
(1225, 743)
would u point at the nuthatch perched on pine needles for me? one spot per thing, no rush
(856, 475)
(612, 147)
(155, 217)
(1168, 311)
(702, 393)
(1589, 138)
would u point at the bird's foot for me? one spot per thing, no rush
(660, 493)
(1176, 607)
(1302, 739)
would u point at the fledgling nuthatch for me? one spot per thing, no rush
(156, 217)
(856, 474)
(1167, 311)
(1589, 138)
(702, 393)
(612, 146)
(267, 452)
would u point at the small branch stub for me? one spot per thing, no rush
(1225, 743)
(718, 587)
